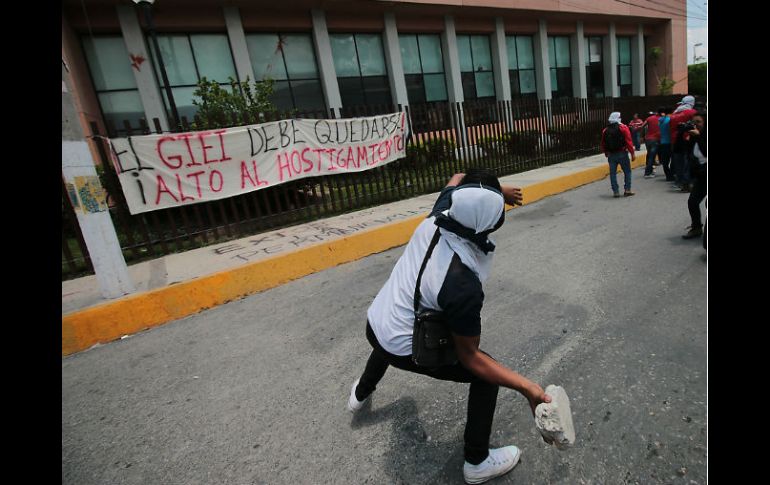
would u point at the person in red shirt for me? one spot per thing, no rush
(683, 113)
(651, 142)
(616, 145)
(636, 130)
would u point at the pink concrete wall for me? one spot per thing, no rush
(561, 27)
(596, 27)
(520, 25)
(625, 29)
(427, 23)
(355, 21)
(603, 7)
(266, 20)
(679, 54)
(474, 25)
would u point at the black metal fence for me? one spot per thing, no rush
(505, 136)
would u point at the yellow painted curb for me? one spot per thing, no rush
(109, 321)
(131, 314)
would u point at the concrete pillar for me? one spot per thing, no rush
(578, 55)
(323, 51)
(637, 62)
(451, 61)
(543, 70)
(393, 61)
(610, 63)
(238, 43)
(500, 62)
(542, 63)
(87, 196)
(146, 82)
(453, 78)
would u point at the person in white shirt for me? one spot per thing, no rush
(469, 208)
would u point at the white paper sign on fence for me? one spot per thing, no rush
(175, 169)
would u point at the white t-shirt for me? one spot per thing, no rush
(447, 284)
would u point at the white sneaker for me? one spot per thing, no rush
(499, 462)
(353, 403)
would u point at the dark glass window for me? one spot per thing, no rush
(288, 59)
(110, 67)
(624, 66)
(521, 66)
(359, 61)
(476, 66)
(423, 67)
(561, 66)
(594, 67)
(190, 57)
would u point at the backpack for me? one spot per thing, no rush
(613, 138)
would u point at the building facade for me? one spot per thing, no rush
(324, 55)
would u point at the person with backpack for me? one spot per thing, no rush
(444, 267)
(616, 145)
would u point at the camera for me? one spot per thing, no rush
(687, 126)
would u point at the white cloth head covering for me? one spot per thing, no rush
(614, 117)
(479, 209)
(686, 103)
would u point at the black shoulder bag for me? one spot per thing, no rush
(432, 344)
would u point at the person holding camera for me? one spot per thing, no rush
(696, 144)
(444, 267)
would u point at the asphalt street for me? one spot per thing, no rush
(599, 295)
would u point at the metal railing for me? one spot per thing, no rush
(445, 138)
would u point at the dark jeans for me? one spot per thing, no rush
(622, 159)
(697, 194)
(635, 140)
(482, 397)
(664, 155)
(652, 150)
(679, 167)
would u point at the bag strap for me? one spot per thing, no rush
(433, 243)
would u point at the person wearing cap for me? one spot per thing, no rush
(468, 209)
(619, 156)
(679, 166)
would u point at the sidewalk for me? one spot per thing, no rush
(178, 285)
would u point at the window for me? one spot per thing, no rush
(423, 67)
(594, 67)
(190, 57)
(521, 66)
(360, 65)
(110, 67)
(289, 60)
(561, 70)
(624, 66)
(476, 66)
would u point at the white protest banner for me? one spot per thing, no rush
(176, 169)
